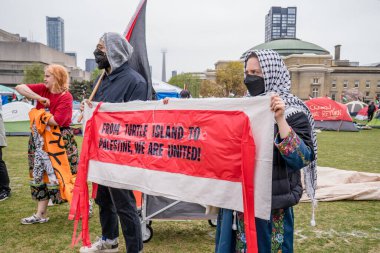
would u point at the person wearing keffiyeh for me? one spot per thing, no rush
(295, 148)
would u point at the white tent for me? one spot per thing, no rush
(355, 106)
(16, 111)
(16, 118)
(164, 90)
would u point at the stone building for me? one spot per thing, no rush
(316, 73)
(16, 53)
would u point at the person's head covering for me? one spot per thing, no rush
(118, 49)
(277, 79)
(184, 94)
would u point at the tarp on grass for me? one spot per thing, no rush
(335, 184)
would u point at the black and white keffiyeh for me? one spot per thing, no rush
(277, 79)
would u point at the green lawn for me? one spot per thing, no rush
(344, 226)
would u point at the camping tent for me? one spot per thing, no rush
(362, 114)
(355, 106)
(7, 91)
(16, 118)
(375, 122)
(330, 115)
(164, 90)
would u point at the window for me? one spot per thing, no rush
(345, 84)
(291, 11)
(333, 83)
(357, 83)
(276, 18)
(291, 34)
(315, 93)
(367, 84)
(291, 19)
(378, 84)
(315, 80)
(367, 94)
(333, 96)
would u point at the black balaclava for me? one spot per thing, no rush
(101, 59)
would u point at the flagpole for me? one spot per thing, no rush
(93, 93)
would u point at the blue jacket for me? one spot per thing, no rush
(122, 85)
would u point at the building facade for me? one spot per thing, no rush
(91, 65)
(315, 72)
(73, 54)
(17, 54)
(6, 36)
(321, 75)
(55, 29)
(280, 23)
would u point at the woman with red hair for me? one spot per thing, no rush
(54, 97)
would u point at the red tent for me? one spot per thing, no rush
(330, 115)
(363, 113)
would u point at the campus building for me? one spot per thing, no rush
(55, 30)
(315, 72)
(17, 53)
(280, 23)
(91, 65)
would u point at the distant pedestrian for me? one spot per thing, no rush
(185, 94)
(14, 97)
(371, 110)
(5, 191)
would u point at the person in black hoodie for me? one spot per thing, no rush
(295, 148)
(120, 84)
(371, 110)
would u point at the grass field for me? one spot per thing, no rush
(344, 226)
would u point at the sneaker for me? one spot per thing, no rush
(33, 219)
(106, 246)
(4, 195)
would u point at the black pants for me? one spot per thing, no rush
(119, 203)
(4, 178)
(370, 116)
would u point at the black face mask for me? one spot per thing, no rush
(255, 84)
(101, 59)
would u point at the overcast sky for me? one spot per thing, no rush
(198, 33)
